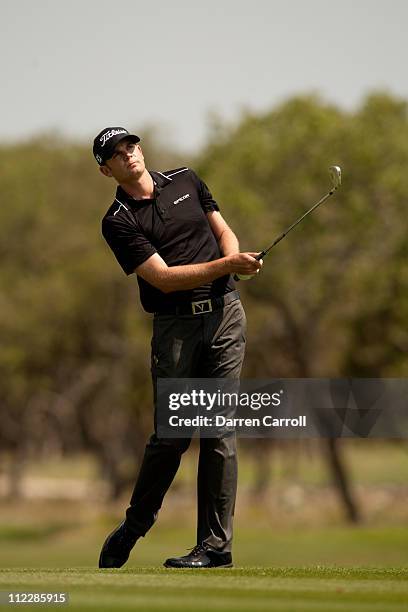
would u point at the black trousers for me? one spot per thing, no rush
(208, 345)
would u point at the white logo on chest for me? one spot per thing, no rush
(184, 197)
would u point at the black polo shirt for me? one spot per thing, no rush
(173, 224)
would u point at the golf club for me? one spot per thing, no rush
(335, 176)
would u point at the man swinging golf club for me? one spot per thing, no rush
(167, 229)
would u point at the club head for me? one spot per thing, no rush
(335, 176)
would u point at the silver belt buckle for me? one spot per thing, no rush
(201, 307)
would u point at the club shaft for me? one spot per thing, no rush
(290, 228)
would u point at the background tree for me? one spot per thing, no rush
(330, 301)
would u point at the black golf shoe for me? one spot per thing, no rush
(202, 556)
(117, 546)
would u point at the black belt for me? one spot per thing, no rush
(201, 306)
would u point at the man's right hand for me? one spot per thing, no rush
(244, 264)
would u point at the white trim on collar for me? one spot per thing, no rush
(167, 176)
(120, 204)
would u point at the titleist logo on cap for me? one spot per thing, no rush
(107, 135)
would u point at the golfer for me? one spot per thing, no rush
(167, 229)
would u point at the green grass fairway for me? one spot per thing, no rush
(292, 549)
(330, 579)
(313, 589)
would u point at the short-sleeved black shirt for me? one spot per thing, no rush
(173, 224)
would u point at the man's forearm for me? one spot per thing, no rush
(190, 276)
(181, 278)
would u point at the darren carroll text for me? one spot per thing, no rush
(221, 421)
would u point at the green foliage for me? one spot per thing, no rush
(330, 299)
(74, 366)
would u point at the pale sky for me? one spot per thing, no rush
(77, 66)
